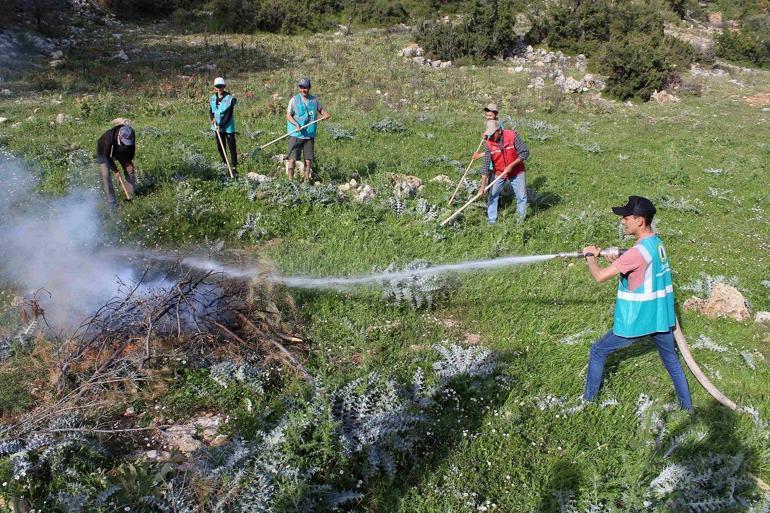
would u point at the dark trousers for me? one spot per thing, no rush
(227, 140)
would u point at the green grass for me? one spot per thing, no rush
(503, 448)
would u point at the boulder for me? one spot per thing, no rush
(365, 193)
(723, 301)
(405, 186)
(419, 60)
(664, 97)
(536, 83)
(120, 121)
(442, 179)
(61, 118)
(715, 19)
(3, 120)
(6, 92)
(411, 50)
(571, 85)
(58, 54)
(258, 178)
(56, 63)
(121, 56)
(762, 318)
(446, 64)
(200, 431)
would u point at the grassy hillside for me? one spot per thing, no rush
(514, 440)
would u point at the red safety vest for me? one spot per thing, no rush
(505, 153)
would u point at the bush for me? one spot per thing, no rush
(678, 54)
(381, 12)
(483, 34)
(636, 66)
(744, 47)
(274, 15)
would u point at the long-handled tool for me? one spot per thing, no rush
(224, 152)
(477, 196)
(284, 136)
(460, 181)
(122, 184)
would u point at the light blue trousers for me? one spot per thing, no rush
(519, 186)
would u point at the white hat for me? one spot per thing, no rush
(219, 81)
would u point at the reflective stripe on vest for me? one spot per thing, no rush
(504, 154)
(220, 109)
(650, 307)
(303, 114)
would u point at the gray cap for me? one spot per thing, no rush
(304, 82)
(126, 136)
(492, 127)
(491, 107)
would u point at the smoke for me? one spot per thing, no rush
(55, 243)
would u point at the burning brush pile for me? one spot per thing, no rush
(101, 392)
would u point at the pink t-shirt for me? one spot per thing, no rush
(632, 263)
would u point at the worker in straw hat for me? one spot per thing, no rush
(117, 143)
(504, 157)
(645, 299)
(221, 112)
(303, 108)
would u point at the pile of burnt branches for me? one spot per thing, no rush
(198, 316)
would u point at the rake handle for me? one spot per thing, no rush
(477, 196)
(451, 199)
(290, 133)
(224, 152)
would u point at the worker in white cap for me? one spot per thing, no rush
(221, 111)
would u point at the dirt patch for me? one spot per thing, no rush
(758, 100)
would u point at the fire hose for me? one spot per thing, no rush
(681, 342)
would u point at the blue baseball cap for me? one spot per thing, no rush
(126, 136)
(304, 82)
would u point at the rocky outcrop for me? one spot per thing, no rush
(723, 301)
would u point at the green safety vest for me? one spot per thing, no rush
(303, 114)
(650, 307)
(224, 104)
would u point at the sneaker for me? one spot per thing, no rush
(491, 221)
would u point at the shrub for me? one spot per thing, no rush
(744, 47)
(635, 65)
(273, 15)
(483, 34)
(382, 12)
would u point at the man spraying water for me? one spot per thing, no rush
(645, 298)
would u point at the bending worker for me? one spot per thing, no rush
(117, 143)
(303, 108)
(645, 299)
(504, 156)
(221, 107)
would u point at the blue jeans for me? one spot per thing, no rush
(610, 343)
(519, 186)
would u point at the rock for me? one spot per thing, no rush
(715, 19)
(411, 50)
(548, 58)
(6, 92)
(120, 121)
(442, 179)
(446, 322)
(58, 54)
(591, 82)
(61, 118)
(55, 63)
(536, 83)
(366, 193)
(664, 97)
(3, 120)
(472, 339)
(572, 85)
(516, 69)
(762, 318)
(343, 189)
(419, 60)
(724, 301)
(446, 64)
(435, 64)
(758, 100)
(258, 178)
(155, 455)
(279, 158)
(200, 431)
(121, 56)
(405, 186)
